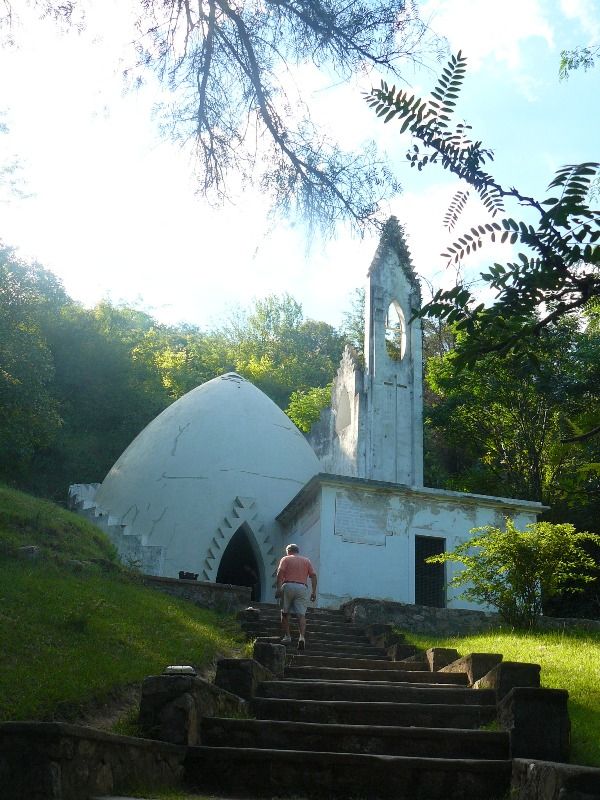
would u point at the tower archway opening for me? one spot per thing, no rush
(239, 565)
(395, 331)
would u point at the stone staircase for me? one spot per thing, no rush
(131, 547)
(348, 721)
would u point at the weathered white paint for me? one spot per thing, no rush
(222, 455)
(374, 428)
(367, 533)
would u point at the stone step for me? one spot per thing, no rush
(255, 772)
(344, 712)
(312, 618)
(365, 692)
(331, 634)
(390, 740)
(369, 674)
(332, 649)
(347, 662)
(273, 609)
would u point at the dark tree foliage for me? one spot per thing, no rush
(499, 426)
(77, 385)
(560, 272)
(29, 413)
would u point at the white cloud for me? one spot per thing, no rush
(422, 215)
(490, 29)
(587, 13)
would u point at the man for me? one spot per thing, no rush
(293, 573)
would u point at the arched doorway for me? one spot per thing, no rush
(239, 565)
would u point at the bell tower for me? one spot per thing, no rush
(374, 428)
(393, 381)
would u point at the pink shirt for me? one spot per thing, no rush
(294, 569)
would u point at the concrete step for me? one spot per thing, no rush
(390, 740)
(368, 674)
(332, 649)
(273, 609)
(329, 634)
(326, 622)
(347, 662)
(366, 692)
(344, 712)
(250, 772)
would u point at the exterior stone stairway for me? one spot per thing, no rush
(131, 547)
(348, 721)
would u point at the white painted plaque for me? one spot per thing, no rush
(359, 525)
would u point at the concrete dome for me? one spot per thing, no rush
(220, 458)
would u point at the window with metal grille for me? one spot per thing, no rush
(430, 579)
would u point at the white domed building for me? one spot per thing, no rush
(222, 480)
(199, 488)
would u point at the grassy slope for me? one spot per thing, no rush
(569, 661)
(70, 634)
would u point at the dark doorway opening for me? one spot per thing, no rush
(239, 565)
(430, 579)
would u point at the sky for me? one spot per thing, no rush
(111, 207)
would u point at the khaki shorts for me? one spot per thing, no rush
(294, 599)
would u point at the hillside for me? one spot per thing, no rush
(75, 626)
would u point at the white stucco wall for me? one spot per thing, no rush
(222, 456)
(368, 535)
(305, 531)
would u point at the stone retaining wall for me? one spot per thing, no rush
(444, 621)
(222, 597)
(57, 761)
(546, 780)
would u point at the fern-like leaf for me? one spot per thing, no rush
(455, 209)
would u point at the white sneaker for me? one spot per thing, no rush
(286, 640)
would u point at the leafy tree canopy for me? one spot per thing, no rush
(504, 420)
(517, 571)
(77, 385)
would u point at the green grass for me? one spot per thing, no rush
(60, 534)
(569, 660)
(70, 636)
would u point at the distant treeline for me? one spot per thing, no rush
(77, 385)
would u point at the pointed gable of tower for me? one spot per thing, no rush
(393, 364)
(374, 428)
(392, 242)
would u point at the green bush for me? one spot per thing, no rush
(517, 571)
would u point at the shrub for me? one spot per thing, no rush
(516, 571)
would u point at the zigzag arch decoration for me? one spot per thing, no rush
(244, 511)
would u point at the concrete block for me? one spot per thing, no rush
(402, 652)
(271, 656)
(545, 780)
(438, 657)
(376, 629)
(538, 723)
(383, 635)
(171, 707)
(475, 665)
(508, 674)
(241, 676)
(248, 615)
